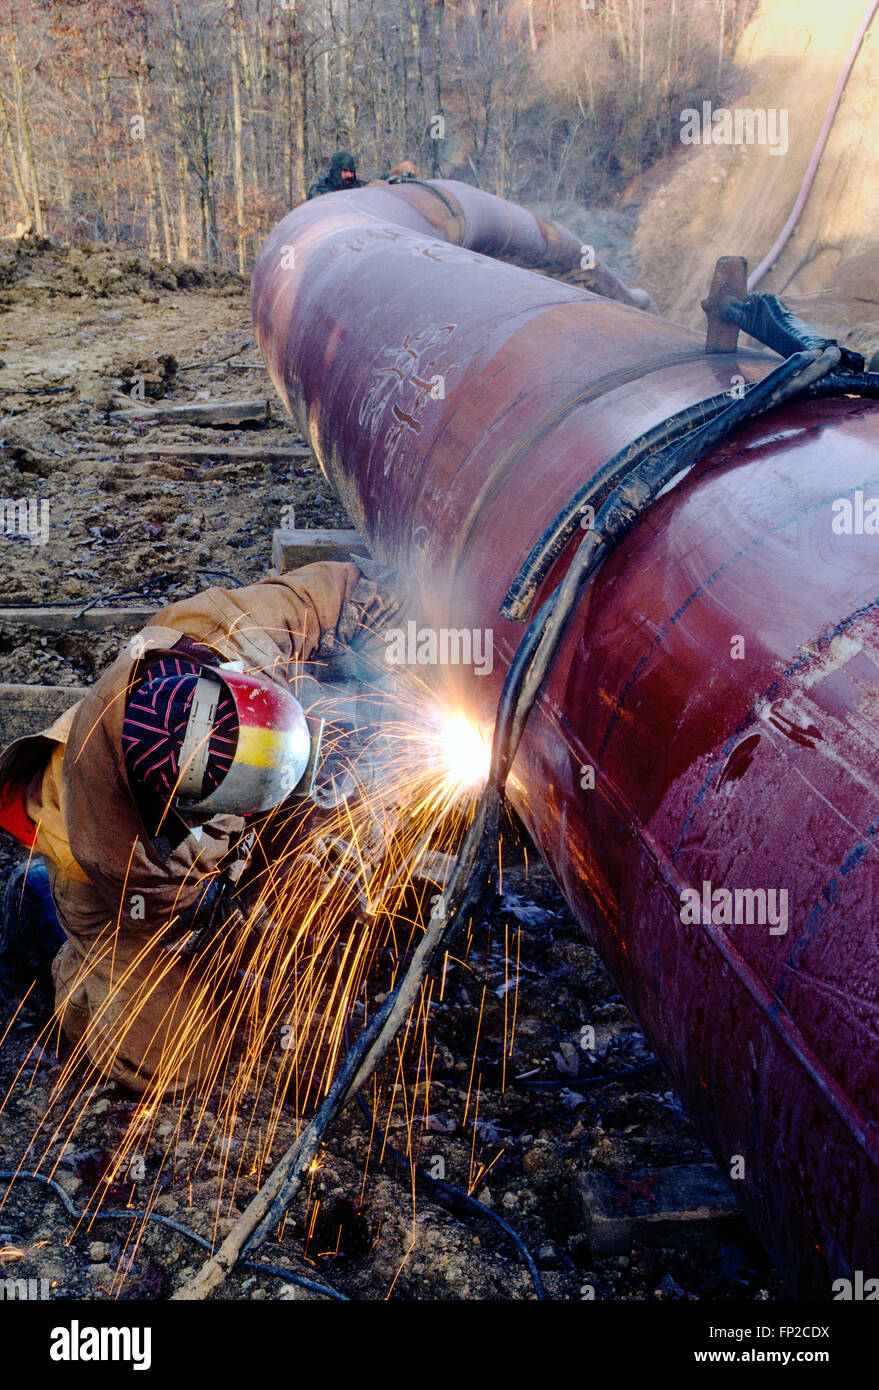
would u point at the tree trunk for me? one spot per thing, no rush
(152, 178)
(29, 163)
(420, 104)
(437, 144)
(301, 126)
(182, 212)
(288, 112)
(17, 176)
(237, 157)
(404, 74)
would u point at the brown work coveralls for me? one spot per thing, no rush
(120, 991)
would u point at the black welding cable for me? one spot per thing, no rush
(634, 496)
(131, 1213)
(146, 591)
(455, 1195)
(846, 384)
(764, 317)
(590, 1083)
(568, 521)
(259, 1267)
(768, 319)
(197, 366)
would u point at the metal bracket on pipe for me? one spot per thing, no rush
(729, 282)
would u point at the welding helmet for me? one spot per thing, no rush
(214, 739)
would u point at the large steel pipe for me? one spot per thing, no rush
(721, 675)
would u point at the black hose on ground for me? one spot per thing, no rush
(452, 1196)
(134, 1214)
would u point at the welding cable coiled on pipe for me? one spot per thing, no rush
(764, 317)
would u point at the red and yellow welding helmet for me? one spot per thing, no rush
(214, 740)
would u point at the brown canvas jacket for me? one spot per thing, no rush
(269, 627)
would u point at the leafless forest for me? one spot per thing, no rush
(186, 129)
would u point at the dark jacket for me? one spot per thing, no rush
(332, 181)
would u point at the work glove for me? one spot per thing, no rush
(355, 648)
(374, 605)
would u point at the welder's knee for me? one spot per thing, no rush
(71, 998)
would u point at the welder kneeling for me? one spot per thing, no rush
(142, 800)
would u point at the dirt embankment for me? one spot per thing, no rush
(726, 199)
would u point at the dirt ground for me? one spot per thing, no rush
(70, 344)
(523, 1127)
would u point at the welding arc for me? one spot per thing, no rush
(133, 1214)
(470, 886)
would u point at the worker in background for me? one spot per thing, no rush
(342, 173)
(140, 797)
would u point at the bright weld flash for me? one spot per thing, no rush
(464, 752)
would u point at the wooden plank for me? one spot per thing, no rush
(222, 413)
(53, 619)
(26, 709)
(290, 549)
(221, 453)
(682, 1207)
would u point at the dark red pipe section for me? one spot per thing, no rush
(721, 675)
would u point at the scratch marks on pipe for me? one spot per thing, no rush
(406, 378)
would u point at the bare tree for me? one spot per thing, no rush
(140, 119)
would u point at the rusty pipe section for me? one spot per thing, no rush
(466, 216)
(700, 771)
